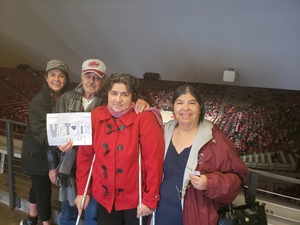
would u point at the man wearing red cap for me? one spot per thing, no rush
(86, 96)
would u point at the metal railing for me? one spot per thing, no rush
(10, 155)
(253, 180)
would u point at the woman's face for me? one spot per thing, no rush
(56, 80)
(119, 99)
(186, 109)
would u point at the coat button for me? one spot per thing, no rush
(104, 171)
(120, 147)
(119, 170)
(105, 190)
(120, 190)
(104, 145)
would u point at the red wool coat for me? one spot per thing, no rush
(115, 170)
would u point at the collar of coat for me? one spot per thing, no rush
(104, 114)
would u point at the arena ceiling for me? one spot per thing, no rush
(189, 40)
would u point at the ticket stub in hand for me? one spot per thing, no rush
(196, 173)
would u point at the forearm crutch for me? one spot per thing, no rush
(86, 189)
(153, 218)
(140, 184)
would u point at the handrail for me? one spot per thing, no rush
(253, 181)
(275, 176)
(13, 122)
(10, 156)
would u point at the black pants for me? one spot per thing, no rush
(123, 217)
(40, 194)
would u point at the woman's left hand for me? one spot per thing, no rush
(141, 105)
(143, 211)
(199, 182)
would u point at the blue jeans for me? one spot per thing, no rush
(69, 213)
(90, 214)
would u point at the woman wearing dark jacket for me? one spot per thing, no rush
(35, 144)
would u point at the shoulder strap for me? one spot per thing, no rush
(248, 200)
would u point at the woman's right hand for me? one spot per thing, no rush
(66, 146)
(199, 182)
(143, 210)
(78, 202)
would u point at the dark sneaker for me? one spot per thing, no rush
(29, 221)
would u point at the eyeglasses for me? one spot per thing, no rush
(183, 190)
(186, 185)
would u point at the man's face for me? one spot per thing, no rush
(91, 83)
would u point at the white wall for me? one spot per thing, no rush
(191, 40)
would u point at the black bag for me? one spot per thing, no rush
(251, 213)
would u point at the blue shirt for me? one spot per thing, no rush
(169, 210)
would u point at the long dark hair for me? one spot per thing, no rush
(185, 89)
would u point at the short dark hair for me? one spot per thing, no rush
(185, 89)
(132, 84)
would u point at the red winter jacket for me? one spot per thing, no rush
(115, 170)
(219, 161)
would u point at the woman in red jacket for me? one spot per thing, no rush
(200, 166)
(118, 134)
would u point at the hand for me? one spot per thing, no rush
(78, 202)
(198, 182)
(141, 105)
(66, 146)
(53, 176)
(143, 211)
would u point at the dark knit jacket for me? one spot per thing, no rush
(35, 143)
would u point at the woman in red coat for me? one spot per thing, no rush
(118, 134)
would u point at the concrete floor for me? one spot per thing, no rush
(10, 217)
